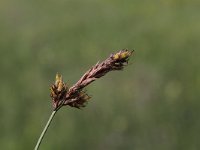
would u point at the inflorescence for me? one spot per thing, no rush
(76, 96)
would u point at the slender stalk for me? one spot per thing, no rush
(45, 130)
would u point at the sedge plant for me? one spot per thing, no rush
(76, 96)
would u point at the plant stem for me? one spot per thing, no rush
(45, 130)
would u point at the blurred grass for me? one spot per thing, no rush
(153, 104)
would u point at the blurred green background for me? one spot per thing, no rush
(154, 104)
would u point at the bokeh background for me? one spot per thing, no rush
(154, 104)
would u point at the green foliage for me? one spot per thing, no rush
(152, 105)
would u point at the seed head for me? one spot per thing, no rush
(76, 96)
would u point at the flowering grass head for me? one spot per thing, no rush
(76, 96)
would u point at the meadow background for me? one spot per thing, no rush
(154, 104)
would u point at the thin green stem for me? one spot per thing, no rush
(45, 130)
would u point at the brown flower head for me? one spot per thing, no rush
(76, 96)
